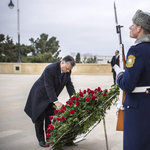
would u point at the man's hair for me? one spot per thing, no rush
(69, 59)
(117, 51)
(146, 31)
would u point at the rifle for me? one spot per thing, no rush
(121, 100)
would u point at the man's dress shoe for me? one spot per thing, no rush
(42, 144)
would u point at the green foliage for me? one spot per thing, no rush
(78, 58)
(7, 49)
(108, 62)
(81, 112)
(44, 45)
(44, 50)
(41, 58)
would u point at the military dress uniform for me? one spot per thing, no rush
(135, 81)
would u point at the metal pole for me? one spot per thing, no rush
(105, 133)
(19, 61)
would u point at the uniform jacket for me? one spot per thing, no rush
(46, 90)
(137, 105)
(114, 61)
(137, 75)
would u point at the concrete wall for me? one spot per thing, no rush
(37, 68)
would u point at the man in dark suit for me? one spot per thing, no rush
(44, 93)
(115, 60)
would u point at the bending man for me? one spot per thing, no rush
(44, 93)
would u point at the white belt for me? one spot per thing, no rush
(140, 89)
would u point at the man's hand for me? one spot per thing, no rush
(58, 104)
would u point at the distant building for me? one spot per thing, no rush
(100, 59)
(103, 59)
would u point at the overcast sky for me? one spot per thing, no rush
(84, 26)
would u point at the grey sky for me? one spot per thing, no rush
(85, 26)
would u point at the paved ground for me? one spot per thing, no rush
(17, 131)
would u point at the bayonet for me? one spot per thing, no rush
(118, 27)
(122, 66)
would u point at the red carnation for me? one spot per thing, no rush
(70, 103)
(95, 91)
(62, 111)
(56, 111)
(55, 119)
(72, 112)
(84, 91)
(106, 90)
(51, 127)
(73, 98)
(48, 130)
(104, 94)
(70, 100)
(77, 98)
(47, 136)
(87, 99)
(92, 92)
(63, 106)
(50, 117)
(77, 103)
(94, 97)
(80, 94)
(67, 103)
(62, 118)
(58, 119)
(98, 89)
(47, 145)
(88, 90)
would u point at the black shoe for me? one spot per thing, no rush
(42, 144)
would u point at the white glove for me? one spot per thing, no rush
(117, 69)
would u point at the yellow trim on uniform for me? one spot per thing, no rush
(130, 61)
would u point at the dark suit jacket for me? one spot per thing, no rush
(114, 61)
(46, 90)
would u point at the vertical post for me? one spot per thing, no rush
(19, 61)
(105, 133)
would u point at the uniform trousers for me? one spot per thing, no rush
(137, 125)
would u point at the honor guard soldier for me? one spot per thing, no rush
(135, 81)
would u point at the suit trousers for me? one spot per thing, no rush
(39, 123)
(114, 77)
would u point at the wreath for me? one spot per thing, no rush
(81, 111)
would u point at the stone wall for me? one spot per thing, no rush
(37, 68)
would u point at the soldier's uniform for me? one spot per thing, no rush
(135, 81)
(137, 105)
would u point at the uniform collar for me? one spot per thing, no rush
(142, 39)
